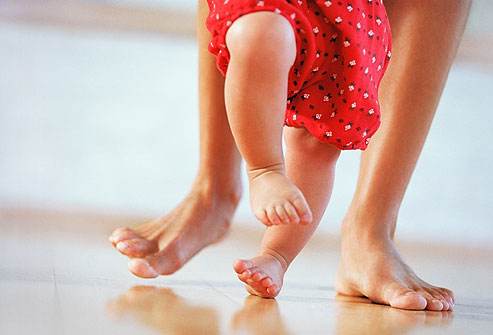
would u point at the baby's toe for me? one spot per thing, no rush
(241, 265)
(272, 291)
(258, 276)
(282, 214)
(261, 215)
(292, 213)
(272, 215)
(266, 282)
(244, 276)
(303, 210)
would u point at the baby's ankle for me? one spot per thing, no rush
(257, 171)
(275, 255)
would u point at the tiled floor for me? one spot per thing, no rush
(60, 275)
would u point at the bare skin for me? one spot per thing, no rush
(311, 166)
(370, 264)
(262, 47)
(162, 246)
(386, 165)
(205, 214)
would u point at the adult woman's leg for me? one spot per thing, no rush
(163, 245)
(426, 34)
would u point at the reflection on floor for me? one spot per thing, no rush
(60, 275)
(86, 99)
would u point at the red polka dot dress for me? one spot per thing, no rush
(343, 49)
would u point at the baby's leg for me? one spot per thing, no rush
(262, 46)
(310, 165)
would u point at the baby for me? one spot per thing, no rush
(314, 66)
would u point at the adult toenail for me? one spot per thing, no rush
(122, 245)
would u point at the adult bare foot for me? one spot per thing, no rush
(164, 245)
(263, 274)
(275, 199)
(371, 266)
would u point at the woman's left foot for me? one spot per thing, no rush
(372, 267)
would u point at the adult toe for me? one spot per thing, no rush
(433, 304)
(447, 294)
(405, 298)
(437, 294)
(137, 247)
(141, 268)
(122, 234)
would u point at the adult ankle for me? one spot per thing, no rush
(219, 185)
(366, 228)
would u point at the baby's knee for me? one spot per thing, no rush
(262, 36)
(300, 140)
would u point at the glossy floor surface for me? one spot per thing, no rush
(94, 100)
(60, 275)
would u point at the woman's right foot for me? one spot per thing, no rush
(164, 245)
(276, 200)
(263, 274)
(372, 267)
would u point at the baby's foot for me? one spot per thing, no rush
(275, 199)
(263, 275)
